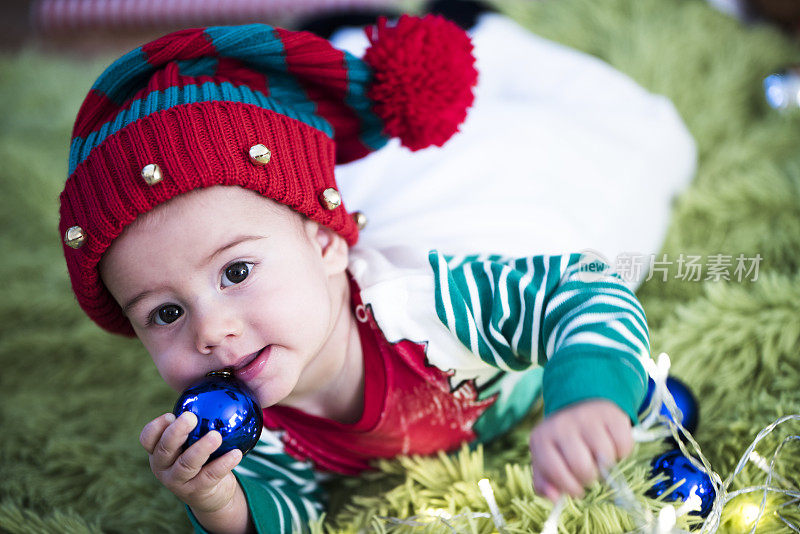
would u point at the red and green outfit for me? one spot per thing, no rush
(456, 350)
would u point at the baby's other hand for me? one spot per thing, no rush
(569, 446)
(205, 488)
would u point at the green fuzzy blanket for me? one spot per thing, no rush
(74, 399)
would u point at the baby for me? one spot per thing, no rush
(201, 215)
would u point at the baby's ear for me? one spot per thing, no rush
(332, 246)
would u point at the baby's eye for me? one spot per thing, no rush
(169, 313)
(235, 273)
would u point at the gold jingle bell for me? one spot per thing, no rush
(330, 198)
(360, 219)
(75, 237)
(260, 154)
(151, 173)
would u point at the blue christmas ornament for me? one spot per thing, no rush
(677, 467)
(223, 403)
(782, 89)
(684, 400)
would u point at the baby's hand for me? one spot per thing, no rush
(568, 447)
(205, 488)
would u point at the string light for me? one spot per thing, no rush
(748, 514)
(551, 524)
(661, 396)
(429, 515)
(437, 512)
(488, 494)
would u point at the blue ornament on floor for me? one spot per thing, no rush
(684, 400)
(676, 467)
(782, 89)
(223, 403)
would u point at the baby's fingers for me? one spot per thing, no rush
(190, 463)
(213, 472)
(544, 488)
(153, 430)
(580, 461)
(552, 470)
(619, 428)
(168, 448)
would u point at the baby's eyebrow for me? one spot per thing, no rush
(233, 243)
(134, 301)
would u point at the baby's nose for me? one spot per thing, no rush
(214, 330)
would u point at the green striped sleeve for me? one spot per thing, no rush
(596, 335)
(567, 313)
(494, 305)
(282, 493)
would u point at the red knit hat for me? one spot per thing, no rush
(259, 107)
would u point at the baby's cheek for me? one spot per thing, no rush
(176, 373)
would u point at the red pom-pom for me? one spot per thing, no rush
(424, 72)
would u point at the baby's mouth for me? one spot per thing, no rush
(246, 360)
(251, 365)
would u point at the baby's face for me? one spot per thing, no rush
(224, 278)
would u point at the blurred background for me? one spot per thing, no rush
(113, 26)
